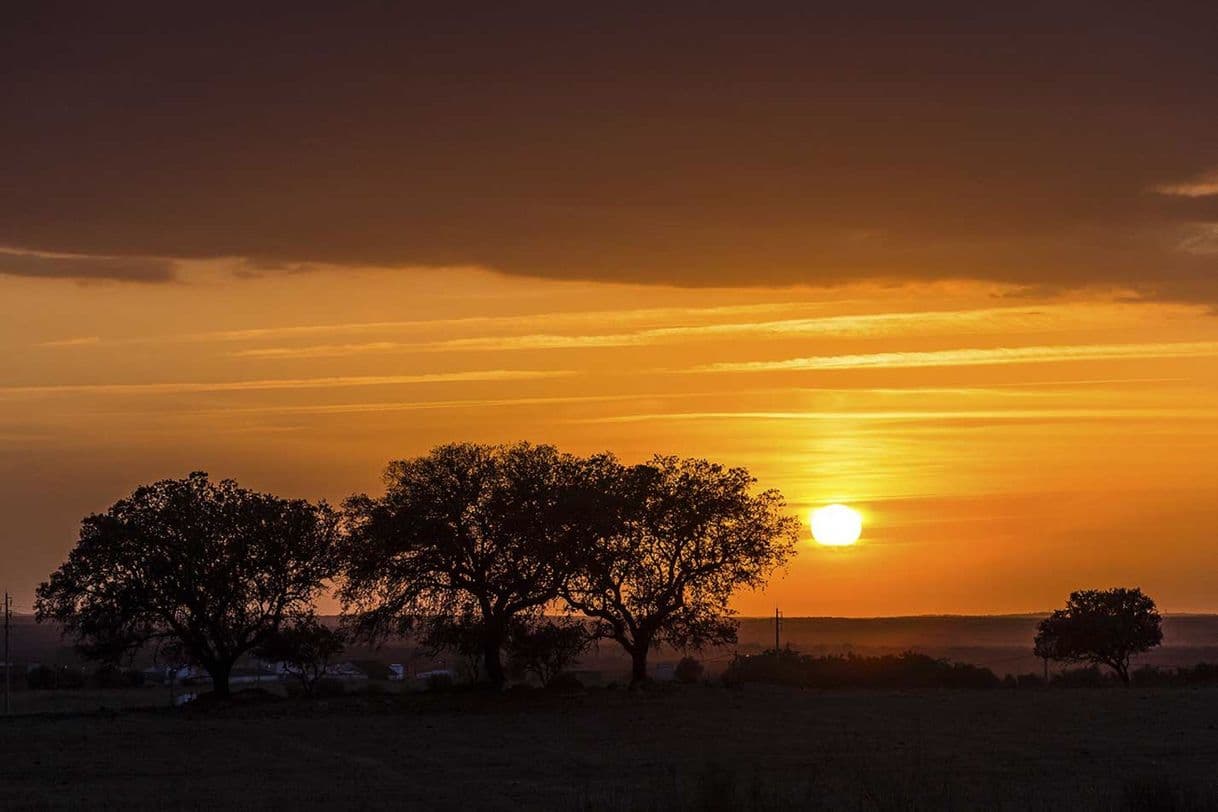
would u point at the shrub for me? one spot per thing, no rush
(439, 683)
(889, 672)
(1029, 681)
(1089, 677)
(46, 677)
(565, 683)
(688, 671)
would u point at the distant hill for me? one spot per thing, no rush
(1000, 642)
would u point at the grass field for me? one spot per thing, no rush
(692, 748)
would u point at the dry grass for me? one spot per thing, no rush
(696, 748)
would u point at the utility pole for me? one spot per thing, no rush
(777, 626)
(8, 663)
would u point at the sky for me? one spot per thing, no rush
(953, 266)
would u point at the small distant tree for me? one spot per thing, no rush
(306, 648)
(1101, 627)
(207, 570)
(685, 535)
(547, 649)
(470, 531)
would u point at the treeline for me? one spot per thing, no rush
(907, 671)
(471, 547)
(915, 671)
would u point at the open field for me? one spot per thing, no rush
(698, 747)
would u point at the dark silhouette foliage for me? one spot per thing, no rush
(685, 535)
(547, 648)
(51, 677)
(476, 532)
(207, 571)
(689, 670)
(908, 671)
(1101, 627)
(307, 648)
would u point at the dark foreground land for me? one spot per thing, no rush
(697, 747)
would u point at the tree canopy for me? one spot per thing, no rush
(686, 534)
(1104, 627)
(479, 532)
(209, 568)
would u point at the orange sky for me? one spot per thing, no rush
(953, 263)
(1003, 450)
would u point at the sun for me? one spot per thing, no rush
(836, 525)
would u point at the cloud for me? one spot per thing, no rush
(580, 318)
(192, 387)
(792, 145)
(1202, 239)
(937, 322)
(85, 268)
(915, 415)
(1203, 186)
(974, 357)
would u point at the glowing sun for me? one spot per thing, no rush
(836, 525)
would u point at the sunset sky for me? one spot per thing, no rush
(955, 268)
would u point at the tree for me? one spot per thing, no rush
(306, 648)
(686, 534)
(546, 649)
(208, 569)
(478, 532)
(1102, 627)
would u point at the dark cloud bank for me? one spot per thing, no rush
(696, 144)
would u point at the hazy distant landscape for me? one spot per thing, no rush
(1002, 643)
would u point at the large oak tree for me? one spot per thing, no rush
(209, 568)
(686, 534)
(478, 533)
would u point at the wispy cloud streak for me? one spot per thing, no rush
(976, 321)
(189, 387)
(973, 357)
(918, 415)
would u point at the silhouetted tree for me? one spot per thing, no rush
(686, 534)
(547, 648)
(210, 569)
(306, 647)
(469, 531)
(1102, 627)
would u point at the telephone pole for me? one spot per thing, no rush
(8, 663)
(777, 626)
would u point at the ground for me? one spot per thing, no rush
(696, 747)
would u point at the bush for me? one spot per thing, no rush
(376, 670)
(889, 672)
(688, 671)
(111, 676)
(439, 683)
(46, 677)
(328, 686)
(565, 683)
(1089, 677)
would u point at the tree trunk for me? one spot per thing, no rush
(220, 673)
(491, 659)
(1123, 673)
(638, 665)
